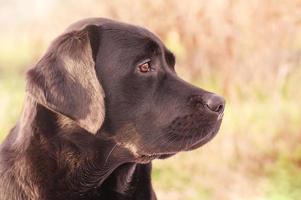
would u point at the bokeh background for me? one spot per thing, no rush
(248, 51)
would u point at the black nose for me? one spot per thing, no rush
(211, 101)
(214, 102)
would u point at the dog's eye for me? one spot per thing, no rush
(145, 67)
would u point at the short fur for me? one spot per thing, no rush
(92, 121)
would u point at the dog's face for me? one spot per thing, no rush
(149, 109)
(120, 81)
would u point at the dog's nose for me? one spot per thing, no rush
(214, 102)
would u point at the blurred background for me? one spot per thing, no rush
(248, 51)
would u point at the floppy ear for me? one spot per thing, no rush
(65, 80)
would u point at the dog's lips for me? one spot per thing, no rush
(208, 137)
(201, 142)
(147, 155)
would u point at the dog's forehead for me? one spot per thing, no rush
(115, 25)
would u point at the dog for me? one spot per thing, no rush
(101, 104)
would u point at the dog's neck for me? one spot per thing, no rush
(85, 156)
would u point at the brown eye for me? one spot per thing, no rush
(145, 67)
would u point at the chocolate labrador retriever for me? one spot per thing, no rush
(100, 105)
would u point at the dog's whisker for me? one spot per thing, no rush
(170, 140)
(110, 153)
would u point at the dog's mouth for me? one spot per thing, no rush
(183, 135)
(148, 157)
(194, 130)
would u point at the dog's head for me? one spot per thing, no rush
(119, 81)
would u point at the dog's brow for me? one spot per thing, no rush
(152, 46)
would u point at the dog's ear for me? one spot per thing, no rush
(65, 79)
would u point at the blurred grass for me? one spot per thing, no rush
(247, 51)
(12, 94)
